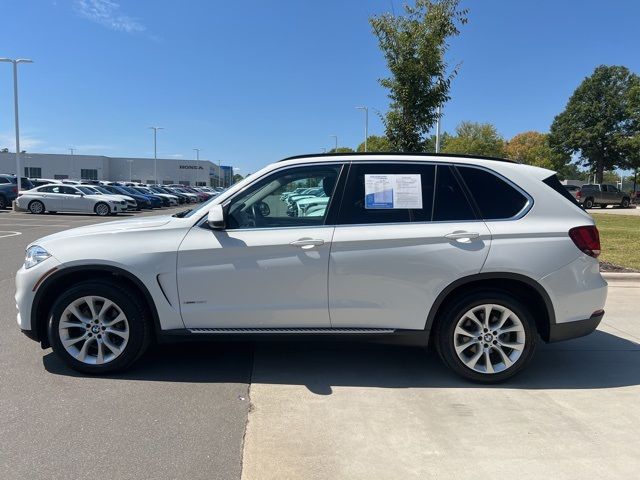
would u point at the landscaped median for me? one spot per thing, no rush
(620, 239)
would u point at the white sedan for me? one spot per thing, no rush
(69, 198)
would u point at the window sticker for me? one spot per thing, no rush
(392, 191)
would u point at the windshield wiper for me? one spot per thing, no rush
(182, 213)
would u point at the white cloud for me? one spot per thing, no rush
(177, 155)
(27, 142)
(107, 13)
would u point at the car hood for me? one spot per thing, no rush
(107, 228)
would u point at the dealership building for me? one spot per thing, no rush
(98, 167)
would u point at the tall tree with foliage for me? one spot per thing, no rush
(376, 143)
(414, 46)
(473, 138)
(597, 122)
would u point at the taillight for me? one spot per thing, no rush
(579, 194)
(587, 239)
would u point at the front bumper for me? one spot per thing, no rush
(579, 328)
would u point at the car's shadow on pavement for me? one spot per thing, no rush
(601, 360)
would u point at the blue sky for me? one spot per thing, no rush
(253, 81)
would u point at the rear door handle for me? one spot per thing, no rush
(307, 243)
(462, 236)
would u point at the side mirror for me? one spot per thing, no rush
(215, 218)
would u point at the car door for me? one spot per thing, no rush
(73, 199)
(268, 267)
(52, 197)
(405, 231)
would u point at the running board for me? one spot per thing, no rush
(290, 331)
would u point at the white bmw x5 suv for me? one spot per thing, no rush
(479, 258)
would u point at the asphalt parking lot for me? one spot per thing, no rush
(313, 410)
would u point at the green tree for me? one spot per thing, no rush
(237, 177)
(597, 121)
(473, 138)
(341, 150)
(376, 143)
(414, 46)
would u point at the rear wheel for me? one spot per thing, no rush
(625, 203)
(102, 209)
(3, 203)
(97, 328)
(36, 207)
(486, 337)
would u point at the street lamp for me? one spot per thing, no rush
(72, 150)
(155, 152)
(197, 150)
(439, 113)
(366, 125)
(336, 139)
(15, 108)
(130, 162)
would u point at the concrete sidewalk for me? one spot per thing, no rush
(373, 412)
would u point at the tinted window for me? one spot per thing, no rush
(70, 191)
(450, 202)
(4, 180)
(495, 198)
(555, 184)
(353, 209)
(276, 201)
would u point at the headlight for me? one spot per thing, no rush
(35, 254)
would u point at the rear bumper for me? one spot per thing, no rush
(579, 328)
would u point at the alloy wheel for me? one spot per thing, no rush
(489, 338)
(102, 209)
(36, 207)
(93, 330)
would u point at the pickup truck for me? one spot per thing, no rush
(8, 190)
(602, 194)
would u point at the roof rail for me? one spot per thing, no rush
(418, 154)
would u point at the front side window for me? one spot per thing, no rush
(387, 193)
(495, 198)
(295, 197)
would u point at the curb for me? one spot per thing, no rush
(632, 278)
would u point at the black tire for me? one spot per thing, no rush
(3, 203)
(36, 207)
(446, 326)
(100, 210)
(625, 203)
(588, 203)
(135, 312)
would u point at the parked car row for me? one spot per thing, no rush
(599, 195)
(99, 197)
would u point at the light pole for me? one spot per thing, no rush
(197, 150)
(72, 150)
(366, 125)
(15, 108)
(219, 173)
(439, 112)
(130, 162)
(155, 152)
(336, 139)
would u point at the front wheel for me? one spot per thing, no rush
(102, 209)
(97, 328)
(625, 203)
(486, 337)
(588, 203)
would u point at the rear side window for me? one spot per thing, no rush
(354, 210)
(495, 198)
(450, 203)
(4, 180)
(555, 184)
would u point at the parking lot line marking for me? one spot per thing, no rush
(9, 233)
(34, 225)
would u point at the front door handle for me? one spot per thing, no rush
(307, 243)
(461, 236)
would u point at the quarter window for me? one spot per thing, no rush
(354, 210)
(295, 197)
(495, 198)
